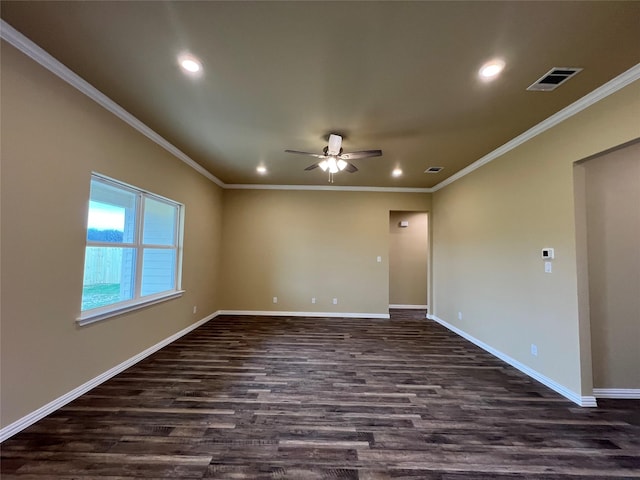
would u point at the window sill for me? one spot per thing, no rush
(90, 317)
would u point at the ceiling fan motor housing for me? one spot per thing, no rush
(335, 142)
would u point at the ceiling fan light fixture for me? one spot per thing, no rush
(334, 160)
(332, 165)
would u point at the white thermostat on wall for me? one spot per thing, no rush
(404, 223)
(547, 253)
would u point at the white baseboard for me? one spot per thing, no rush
(410, 307)
(276, 313)
(59, 402)
(582, 400)
(628, 393)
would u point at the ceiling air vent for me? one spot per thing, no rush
(553, 79)
(433, 169)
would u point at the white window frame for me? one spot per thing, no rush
(138, 301)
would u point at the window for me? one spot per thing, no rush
(132, 256)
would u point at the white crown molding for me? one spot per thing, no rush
(595, 96)
(583, 401)
(628, 393)
(248, 186)
(33, 51)
(277, 313)
(61, 401)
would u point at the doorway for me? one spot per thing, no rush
(408, 259)
(612, 204)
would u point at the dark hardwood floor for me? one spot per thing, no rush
(318, 398)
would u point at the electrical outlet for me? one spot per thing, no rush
(459, 315)
(195, 309)
(534, 350)
(313, 299)
(275, 299)
(547, 267)
(335, 301)
(379, 259)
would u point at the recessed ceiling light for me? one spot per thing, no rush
(491, 70)
(396, 172)
(261, 169)
(190, 64)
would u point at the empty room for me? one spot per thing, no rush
(319, 240)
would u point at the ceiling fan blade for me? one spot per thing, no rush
(311, 167)
(361, 154)
(351, 168)
(317, 155)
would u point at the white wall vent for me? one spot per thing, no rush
(433, 169)
(553, 79)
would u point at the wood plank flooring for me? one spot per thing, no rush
(319, 398)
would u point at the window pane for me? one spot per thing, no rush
(112, 214)
(158, 270)
(109, 276)
(159, 222)
(132, 247)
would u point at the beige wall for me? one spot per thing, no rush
(53, 137)
(488, 229)
(613, 243)
(408, 254)
(302, 244)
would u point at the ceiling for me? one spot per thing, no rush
(396, 76)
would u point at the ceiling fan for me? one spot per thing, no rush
(334, 160)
